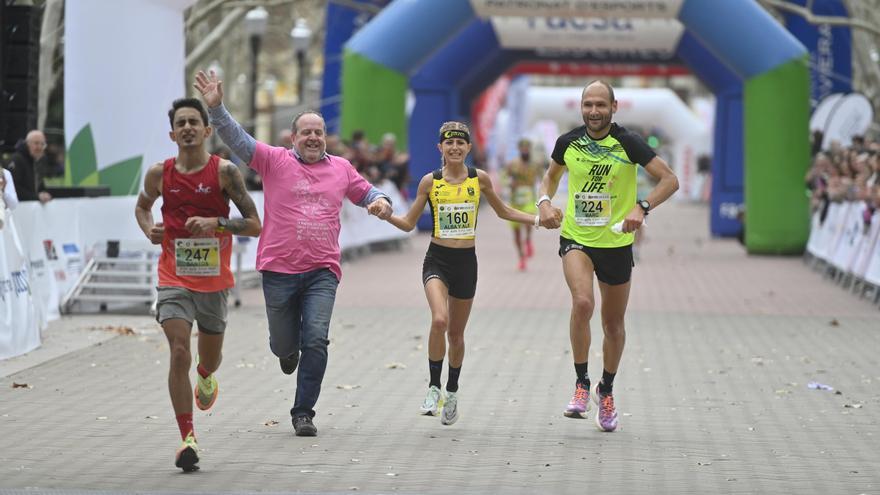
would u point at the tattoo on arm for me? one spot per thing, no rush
(238, 194)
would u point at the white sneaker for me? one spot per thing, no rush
(449, 415)
(433, 402)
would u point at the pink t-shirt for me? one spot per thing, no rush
(301, 210)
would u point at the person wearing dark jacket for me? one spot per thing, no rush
(27, 165)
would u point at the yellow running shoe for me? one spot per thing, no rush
(187, 457)
(206, 391)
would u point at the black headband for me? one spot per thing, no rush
(444, 135)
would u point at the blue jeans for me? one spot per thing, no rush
(299, 307)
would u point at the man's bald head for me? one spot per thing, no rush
(36, 143)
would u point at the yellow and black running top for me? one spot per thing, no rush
(454, 206)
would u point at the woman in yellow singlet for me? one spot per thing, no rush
(449, 272)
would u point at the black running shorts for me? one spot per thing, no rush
(613, 266)
(455, 267)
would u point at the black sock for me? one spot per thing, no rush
(452, 381)
(607, 382)
(580, 369)
(435, 367)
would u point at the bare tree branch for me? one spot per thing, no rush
(215, 36)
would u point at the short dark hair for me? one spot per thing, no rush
(187, 103)
(603, 83)
(304, 112)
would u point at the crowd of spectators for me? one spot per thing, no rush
(845, 173)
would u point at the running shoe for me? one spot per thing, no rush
(579, 403)
(530, 249)
(449, 415)
(433, 402)
(206, 391)
(187, 457)
(606, 418)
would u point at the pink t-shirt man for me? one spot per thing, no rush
(301, 211)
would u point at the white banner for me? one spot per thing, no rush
(19, 328)
(593, 8)
(123, 66)
(605, 37)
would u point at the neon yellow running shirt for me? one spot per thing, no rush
(454, 206)
(602, 180)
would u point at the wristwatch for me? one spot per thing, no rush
(541, 200)
(221, 223)
(644, 205)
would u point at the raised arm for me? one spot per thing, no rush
(143, 211)
(408, 221)
(233, 135)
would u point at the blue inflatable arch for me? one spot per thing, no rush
(446, 56)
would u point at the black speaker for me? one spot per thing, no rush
(19, 72)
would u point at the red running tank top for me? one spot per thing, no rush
(193, 195)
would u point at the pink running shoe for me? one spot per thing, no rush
(606, 418)
(579, 404)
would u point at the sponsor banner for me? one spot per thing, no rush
(58, 238)
(657, 38)
(19, 327)
(116, 125)
(830, 48)
(667, 9)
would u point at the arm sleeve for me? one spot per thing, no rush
(359, 190)
(636, 148)
(233, 135)
(372, 195)
(562, 143)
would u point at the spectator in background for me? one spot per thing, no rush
(392, 164)
(285, 139)
(28, 165)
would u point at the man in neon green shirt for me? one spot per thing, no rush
(601, 216)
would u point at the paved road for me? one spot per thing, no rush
(712, 389)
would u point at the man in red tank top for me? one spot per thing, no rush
(194, 273)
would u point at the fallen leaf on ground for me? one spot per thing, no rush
(398, 366)
(21, 385)
(270, 422)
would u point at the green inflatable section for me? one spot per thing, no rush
(776, 117)
(374, 100)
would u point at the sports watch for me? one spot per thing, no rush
(221, 223)
(644, 205)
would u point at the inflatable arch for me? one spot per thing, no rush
(445, 54)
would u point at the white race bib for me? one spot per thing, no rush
(592, 209)
(199, 257)
(457, 220)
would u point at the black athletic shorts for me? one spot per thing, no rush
(613, 265)
(455, 267)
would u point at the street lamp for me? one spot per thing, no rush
(300, 39)
(255, 23)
